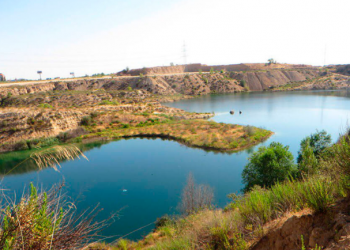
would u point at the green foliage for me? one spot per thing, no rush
(262, 205)
(319, 195)
(268, 165)
(98, 74)
(271, 61)
(42, 142)
(125, 125)
(173, 244)
(318, 142)
(45, 105)
(107, 102)
(212, 71)
(122, 244)
(250, 130)
(163, 221)
(308, 163)
(129, 88)
(38, 222)
(86, 121)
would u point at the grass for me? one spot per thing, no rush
(197, 133)
(46, 220)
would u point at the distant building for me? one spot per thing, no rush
(2, 78)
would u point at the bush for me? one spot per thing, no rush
(106, 102)
(41, 220)
(45, 106)
(268, 165)
(318, 142)
(308, 163)
(86, 121)
(250, 130)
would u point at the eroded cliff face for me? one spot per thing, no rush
(18, 125)
(196, 67)
(261, 80)
(23, 124)
(189, 84)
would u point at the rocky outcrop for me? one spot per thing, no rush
(23, 124)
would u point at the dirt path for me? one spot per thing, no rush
(86, 78)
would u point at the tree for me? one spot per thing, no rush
(271, 61)
(308, 163)
(317, 141)
(195, 197)
(268, 165)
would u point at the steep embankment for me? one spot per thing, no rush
(188, 84)
(324, 230)
(196, 67)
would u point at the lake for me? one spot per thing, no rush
(154, 171)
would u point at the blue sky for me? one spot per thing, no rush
(89, 36)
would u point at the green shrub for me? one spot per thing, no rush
(250, 130)
(106, 102)
(308, 163)
(319, 194)
(125, 125)
(174, 244)
(122, 244)
(45, 105)
(318, 142)
(268, 165)
(86, 121)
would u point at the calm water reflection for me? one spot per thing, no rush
(154, 170)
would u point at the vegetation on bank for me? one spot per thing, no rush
(191, 132)
(242, 222)
(197, 133)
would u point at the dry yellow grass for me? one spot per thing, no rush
(196, 133)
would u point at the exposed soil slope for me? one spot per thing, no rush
(326, 230)
(178, 69)
(189, 84)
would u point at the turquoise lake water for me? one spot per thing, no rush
(154, 171)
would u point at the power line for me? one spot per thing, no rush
(184, 53)
(325, 52)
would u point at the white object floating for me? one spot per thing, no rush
(125, 190)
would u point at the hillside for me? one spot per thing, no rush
(186, 84)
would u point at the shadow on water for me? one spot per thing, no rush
(19, 162)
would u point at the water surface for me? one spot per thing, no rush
(154, 170)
